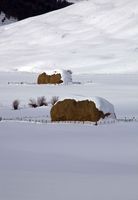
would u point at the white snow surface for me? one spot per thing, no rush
(68, 161)
(94, 36)
(104, 105)
(57, 161)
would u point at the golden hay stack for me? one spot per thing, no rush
(49, 79)
(72, 110)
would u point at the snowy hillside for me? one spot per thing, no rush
(92, 36)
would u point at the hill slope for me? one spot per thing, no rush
(91, 36)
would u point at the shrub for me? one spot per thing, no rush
(32, 103)
(41, 101)
(15, 104)
(54, 100)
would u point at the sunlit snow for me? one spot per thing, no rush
(89, 36)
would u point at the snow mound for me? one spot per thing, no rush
(104, 105)
(66, 75)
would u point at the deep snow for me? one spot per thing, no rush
(68, 161)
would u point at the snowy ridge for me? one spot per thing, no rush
(92, 36)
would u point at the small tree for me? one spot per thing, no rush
(41, 101)
(32, 103)
(15, 104)
(54, 100)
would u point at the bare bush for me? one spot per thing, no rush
(41, 101)
(32, 103)
(15, 104)
(54, 100)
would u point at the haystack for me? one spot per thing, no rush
(72, 110)
(49, 79)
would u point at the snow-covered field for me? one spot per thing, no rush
(120, 90)
(63, 161)
(68, 161)
(40, 160)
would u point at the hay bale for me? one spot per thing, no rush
(72, 110)
(49, 79)
(55, 79)
(43, 78)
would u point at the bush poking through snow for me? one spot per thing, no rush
(32, 103)
(15, 104)
(54, 100)
(41, 101)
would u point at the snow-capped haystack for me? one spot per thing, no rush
(4, 20)
(84, 110)
(55, 77)
(94, 36)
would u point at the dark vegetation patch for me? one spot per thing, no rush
(21, 9)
